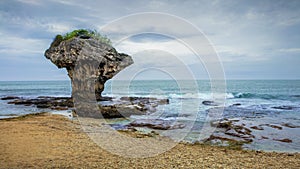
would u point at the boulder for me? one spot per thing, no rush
(89, 63)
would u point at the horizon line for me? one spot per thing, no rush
(142, 80)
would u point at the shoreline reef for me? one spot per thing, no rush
(233, 132)
(52, 141)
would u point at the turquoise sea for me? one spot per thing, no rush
(259, 102)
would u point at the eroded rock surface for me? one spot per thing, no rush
(116, 109)
(230, 130)
(54, 103)
(89, 62)
(157, 124)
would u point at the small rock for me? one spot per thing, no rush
(209, 103)
(232, 132)
(236, 104)
(9, 98)
(283, 107)
(290, 125)
(105, 98)
(257, 127)
(21, 102)
(274, 126)
(224, 124)
(242, 130)
(286, 140)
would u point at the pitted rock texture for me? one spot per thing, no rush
(89, 62)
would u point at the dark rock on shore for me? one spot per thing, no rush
(54, 103)
(286, 140)
(257, 127)
(237, 104)
(131, 106)
(289, 125)
(264, 137)
(105, 98)
(145, 100)
(157, 124)
(9, 98)
(283, 107)
(228, 130)
(225, 123)
(89, 62)
(209, 103)
(233, 132)
(232, 142)
(273, 126)
(128, 107)
(120, 111)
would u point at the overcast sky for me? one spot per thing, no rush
(255, 39)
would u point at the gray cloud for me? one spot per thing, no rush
(254, 39)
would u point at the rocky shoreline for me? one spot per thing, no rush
(236, 131)
(52, 141)
(228, 131)
(250, 131)
(124, 107)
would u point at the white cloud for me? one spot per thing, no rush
(158, 51)
(290, 50)
(21, 47)
(58, 27)
(31, 2)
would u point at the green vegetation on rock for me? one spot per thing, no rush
(82, 33)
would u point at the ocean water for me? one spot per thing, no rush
(260, 102)
(30, 89)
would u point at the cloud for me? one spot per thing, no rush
(248, 35)
(21, 47)
(30, 2)
(57, 27)
(290, 50)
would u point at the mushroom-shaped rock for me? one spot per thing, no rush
(89, 61)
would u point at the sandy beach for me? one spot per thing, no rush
(53, 141)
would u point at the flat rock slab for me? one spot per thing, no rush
(129, 105)
(9, 98)
(157, 124)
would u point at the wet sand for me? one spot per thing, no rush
(53, 141)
